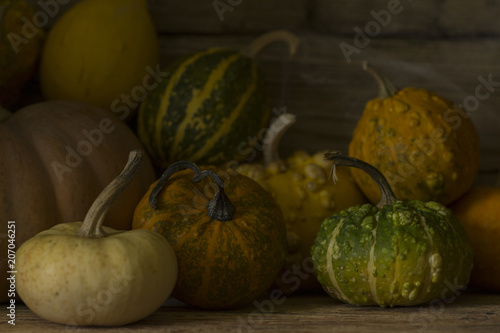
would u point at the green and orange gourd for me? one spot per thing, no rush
(229, 236)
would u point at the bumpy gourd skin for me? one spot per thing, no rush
(306, 194)
(426, 147)
(405, 254)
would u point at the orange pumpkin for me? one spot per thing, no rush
(479, 213)
(54, 160)
(229, 248)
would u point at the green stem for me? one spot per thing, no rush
(220, 208)
(273, 137)
(92, 224)
(266, 39)
(386, 88)
(388, 196)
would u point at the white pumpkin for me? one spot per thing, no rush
(86, 274)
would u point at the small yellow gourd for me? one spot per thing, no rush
(86, 274)
(102, 52)
(306, 195)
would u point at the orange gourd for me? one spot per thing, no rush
(229, 237)
(426, 146)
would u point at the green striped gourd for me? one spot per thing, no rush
(209, 107)
(401, 253)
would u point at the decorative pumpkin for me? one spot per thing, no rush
(426, 146)
(56, 157)
(400, 253)
(306, 196)
(19, 51)
(86, 274)
(211, 103)
(102, 52)
(479, 213)
(230, 247)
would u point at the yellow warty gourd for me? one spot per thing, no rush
(426, 146)
(307, 195)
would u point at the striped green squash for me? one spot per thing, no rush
(207, 110)
(401, 253)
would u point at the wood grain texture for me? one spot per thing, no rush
(328, 94)
(445, 46)
(222, 16)
(430, 18)
(469, 312)
(392, 17)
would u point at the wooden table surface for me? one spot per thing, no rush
(471, 311)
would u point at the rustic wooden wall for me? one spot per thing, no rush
(442, 45)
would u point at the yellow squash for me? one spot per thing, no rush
(426, 146)
(306, 195)
(102, 52)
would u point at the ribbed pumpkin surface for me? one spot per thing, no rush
(406, 254)
(221, 264)
(206, 110)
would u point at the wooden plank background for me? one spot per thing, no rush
(444, 46)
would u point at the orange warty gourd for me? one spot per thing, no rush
(426, 146)
(230, 247)
(54, 160)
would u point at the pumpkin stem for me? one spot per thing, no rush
(388, 196)
(92, 224)
(220, 208)
(273, 137)
(386, 88)
(264, 40)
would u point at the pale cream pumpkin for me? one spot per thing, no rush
(86, 274)
(55, 158)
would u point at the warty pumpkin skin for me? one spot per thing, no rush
(222, 264)
(398, 253)
(37, 139)
(426, 146)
